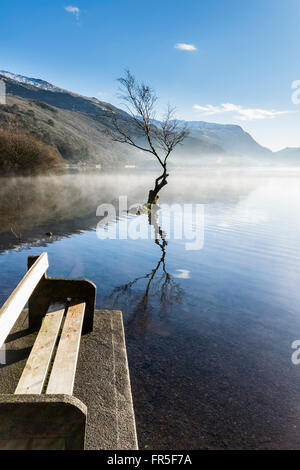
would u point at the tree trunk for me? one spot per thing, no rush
(160, 182)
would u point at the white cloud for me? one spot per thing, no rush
(185, 47)
(74, 10)
(243, 114)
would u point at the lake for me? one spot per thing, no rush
(208, 330)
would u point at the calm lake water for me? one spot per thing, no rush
(208, 331)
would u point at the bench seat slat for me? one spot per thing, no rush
(37, 366)
(15, 303)
(64, 368)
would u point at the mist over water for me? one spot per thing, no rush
(208, 332)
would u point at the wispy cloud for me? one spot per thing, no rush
(74, 10)
(243, 114)
(185, 47)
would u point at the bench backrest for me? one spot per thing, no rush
(12, 308)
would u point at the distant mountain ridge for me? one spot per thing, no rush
(232, 138)
(291, 155)
(37, 89)
(42, 84)
(79, 125)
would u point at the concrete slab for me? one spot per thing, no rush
(102, 380)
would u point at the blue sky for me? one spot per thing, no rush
(237, 66)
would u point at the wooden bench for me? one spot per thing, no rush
(42, 413)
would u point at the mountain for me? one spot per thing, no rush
(77, 126)
(231, 138)
(289, 155)
(42, 84)
(36, 89)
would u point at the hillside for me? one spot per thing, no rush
(36, 89)
(290, 155)
(231, 138)
(24, 154)
(79, 137)
(77, 127)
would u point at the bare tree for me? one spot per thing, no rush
(140, 129)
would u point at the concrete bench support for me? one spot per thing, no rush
(37, 422)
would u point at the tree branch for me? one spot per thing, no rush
(140, 102)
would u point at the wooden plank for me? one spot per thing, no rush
(64, 368)
(15, 303)
(37, 366)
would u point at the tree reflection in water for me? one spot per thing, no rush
(161, 289)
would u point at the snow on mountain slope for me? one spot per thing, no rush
(37, 89)
(42, 84)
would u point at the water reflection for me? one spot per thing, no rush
(156, 285)
(33, 206)
(208, 332)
